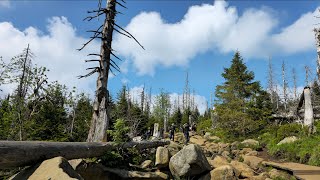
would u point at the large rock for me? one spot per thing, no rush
(252, 153)
(288, 140)
(55, 169)
(213, 148)
(197, 140)
(245, 151)
(211, 138)
(218, 161)
(226, 154)
(252, 161)
(276, 174)
(243, 170)
(225, 172)
(189, 161)
(75, 163)
(162, 157)
(250, 143)
(173, 148)
(146, 164)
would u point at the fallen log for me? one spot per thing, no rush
(23, 153)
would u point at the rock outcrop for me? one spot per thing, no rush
(55, 169)
(162, 157)
(190, 161)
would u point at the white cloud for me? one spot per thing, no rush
(5, 3)
(297, 37)
(55, 50)
(211, 27)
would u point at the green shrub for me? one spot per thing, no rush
(112, 158)
(266, 138)
(204, 125)
(315, 156)
(304, 150)
(119, 134)
(288, 130)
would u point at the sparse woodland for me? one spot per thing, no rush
(39, 109)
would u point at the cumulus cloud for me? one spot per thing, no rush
(55, 50)
(4, 3)
(211, 27)
(199, 101)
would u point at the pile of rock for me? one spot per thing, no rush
(205, 159)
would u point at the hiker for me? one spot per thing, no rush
(186, 129)
(194, 127)
(148, 133)
(171, 131)
(161, 133)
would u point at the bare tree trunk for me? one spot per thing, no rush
(308, 110)
(294, 76)
(73, 119)
(100, 119)
(21, 93)
(317, 36)
(284, 86)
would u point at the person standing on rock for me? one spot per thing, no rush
(161, 133)
(171, 131)
(186, 129)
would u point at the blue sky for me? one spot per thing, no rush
(179, 36)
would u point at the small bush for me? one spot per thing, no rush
(204, 125)
(304, 150)
(288, 130)
(119, 134)
(315, 156)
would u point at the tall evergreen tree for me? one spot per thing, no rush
(240, 99)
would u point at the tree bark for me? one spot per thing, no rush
(23, 153)
(308, 110)
(100, 119)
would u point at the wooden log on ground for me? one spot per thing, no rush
(23, 153)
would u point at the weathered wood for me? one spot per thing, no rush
(100, 119)
(23, 153)
(308, 110)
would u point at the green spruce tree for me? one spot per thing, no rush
(242, 105)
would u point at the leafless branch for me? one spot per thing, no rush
(89, 74)
(129, 35)
(121, 5)
(92, 68)
(115, 56)
(121, 33)
(89, 18)
(92, 60)
(94, 55)
(91, 39)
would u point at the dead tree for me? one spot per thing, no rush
(100, 119)
(294, 76)
(24, 153)
(305, 99)
(317, 37)
(271, 84)
(284, 86)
